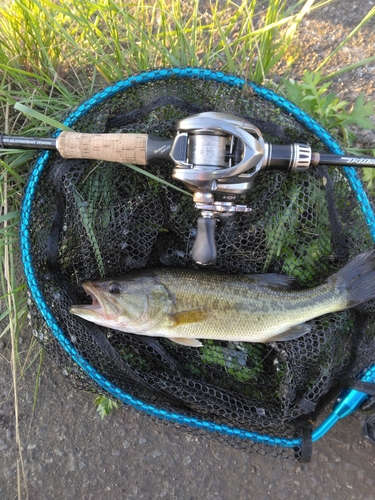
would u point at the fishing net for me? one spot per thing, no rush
(84, 220)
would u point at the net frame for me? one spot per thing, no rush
(101, 381)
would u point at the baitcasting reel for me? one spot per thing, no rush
(218, 155)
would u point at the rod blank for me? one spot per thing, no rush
(19, 142)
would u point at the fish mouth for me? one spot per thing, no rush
(97, 305)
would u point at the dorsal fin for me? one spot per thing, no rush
(278, 280)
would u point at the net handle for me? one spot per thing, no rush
(122, 148)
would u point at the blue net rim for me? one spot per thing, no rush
(32, 282)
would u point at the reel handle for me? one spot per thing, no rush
(204, 248)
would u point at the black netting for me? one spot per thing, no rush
(94, 219)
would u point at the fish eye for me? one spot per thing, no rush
(114, 288)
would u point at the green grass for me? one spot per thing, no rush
(116, 38)
(53, 55)
(311, 94)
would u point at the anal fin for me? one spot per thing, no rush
(291, 333)
(186, 341)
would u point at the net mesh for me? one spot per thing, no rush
(92, 219)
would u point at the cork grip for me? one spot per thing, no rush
(123, 148)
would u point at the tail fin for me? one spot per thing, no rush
(358, 278)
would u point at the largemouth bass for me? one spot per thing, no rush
(187, 304)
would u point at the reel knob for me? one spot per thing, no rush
(204, 248)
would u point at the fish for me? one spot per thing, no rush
(188, 305)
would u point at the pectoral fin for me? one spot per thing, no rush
(186, 317)
(186, 341)
(292, 333)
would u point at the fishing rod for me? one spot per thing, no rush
(205, 130)
(217, 156)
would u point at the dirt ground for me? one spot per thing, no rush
(70, 453)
